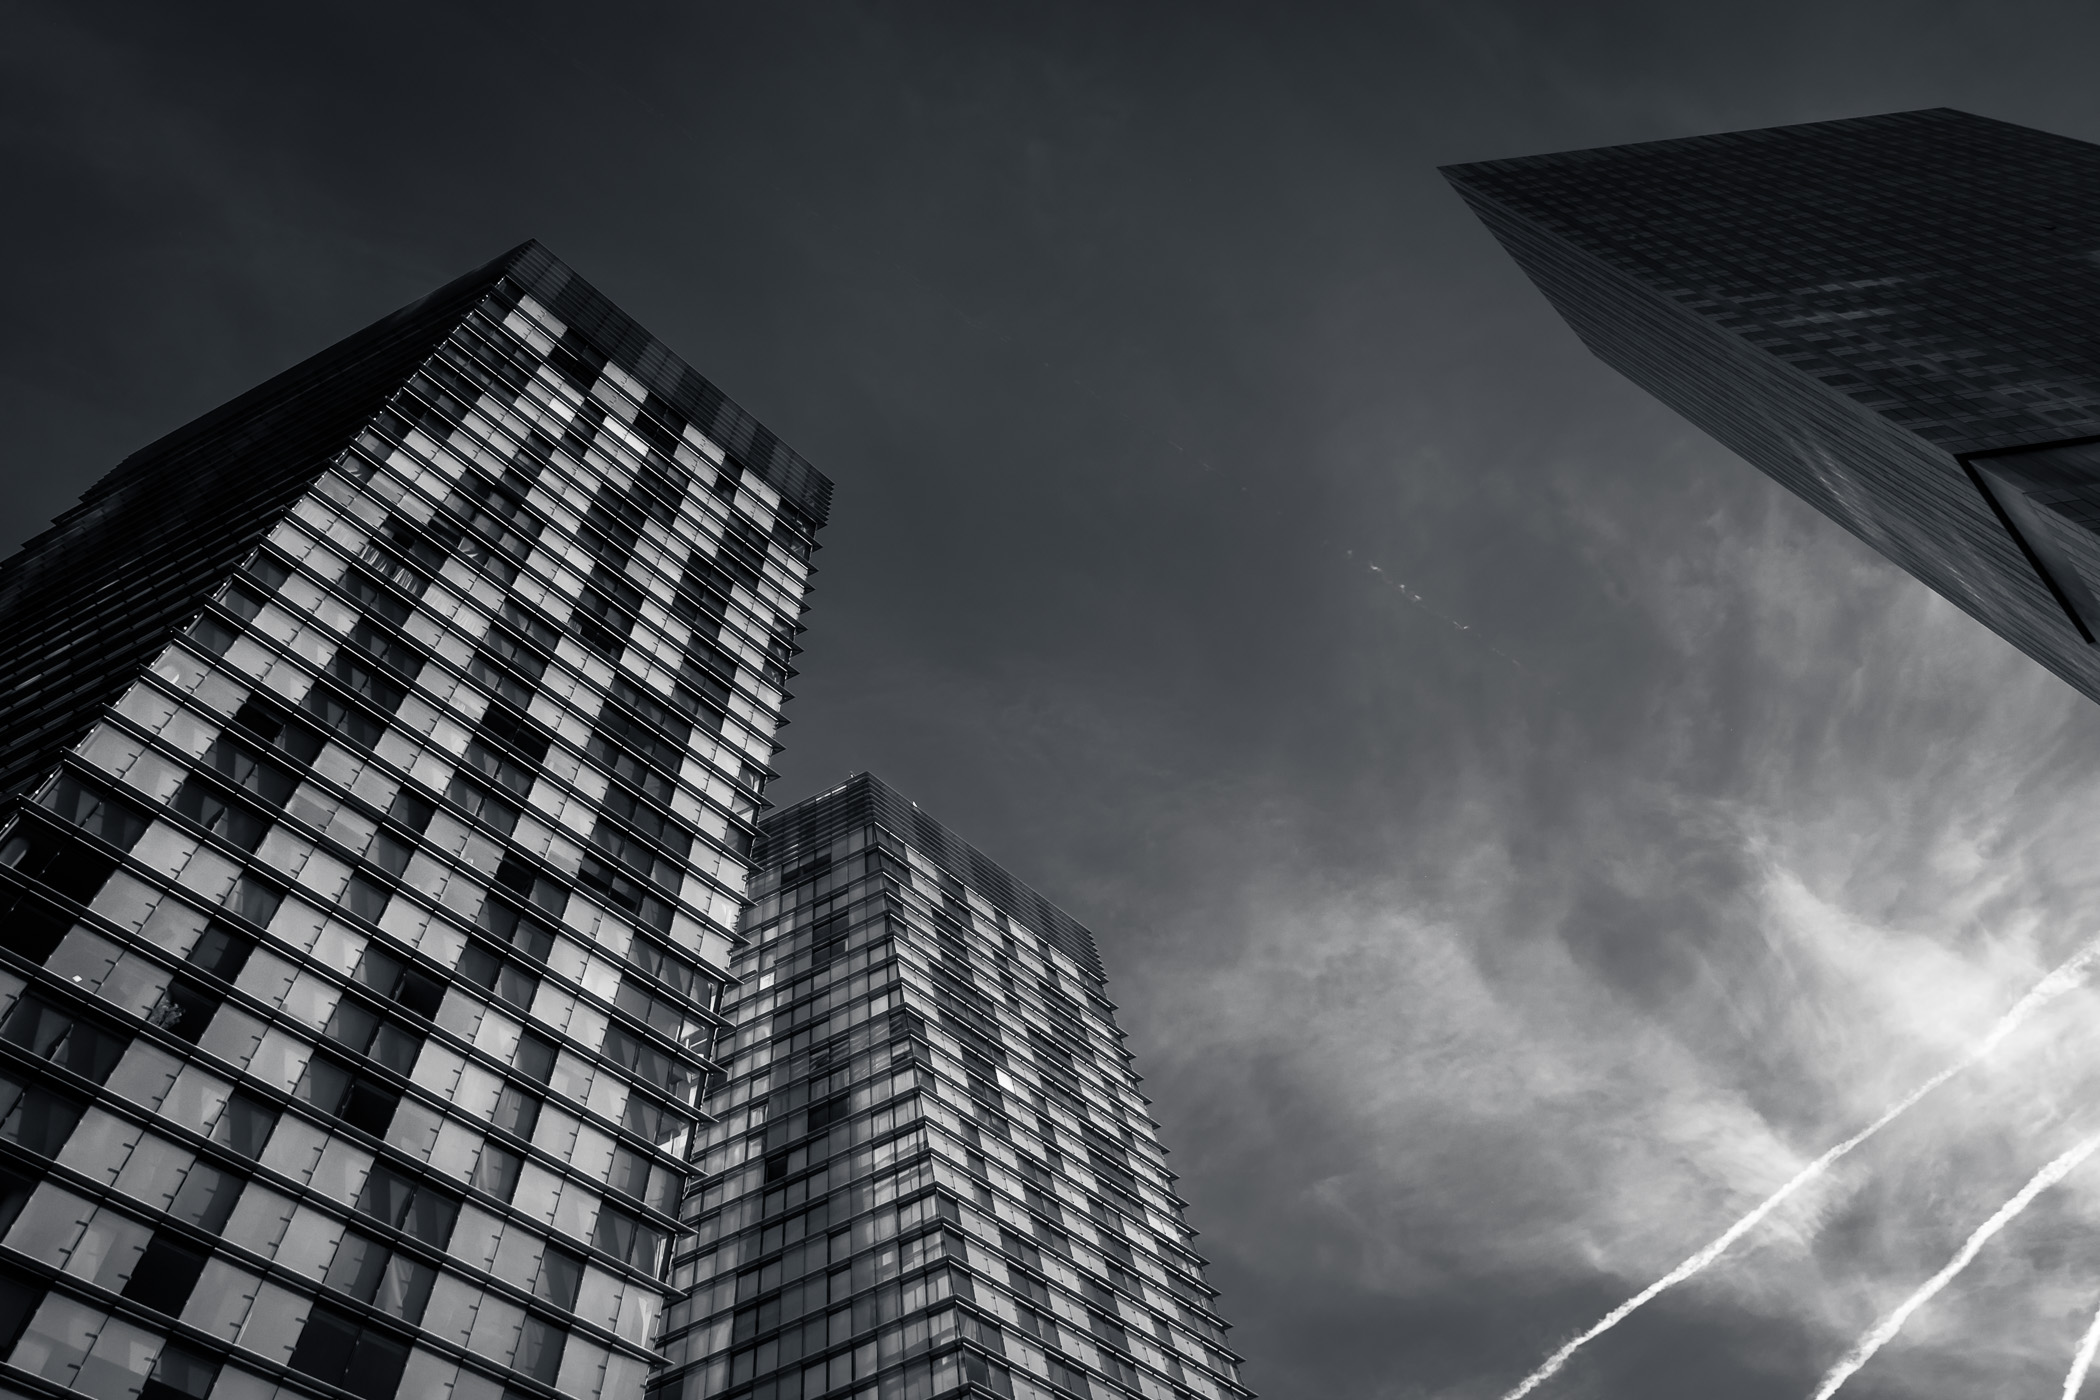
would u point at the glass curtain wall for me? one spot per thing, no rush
(932, 1169)
(363, 963)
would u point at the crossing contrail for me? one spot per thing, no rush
(1864, 1349)
(2066, 976)
(2083, 1361)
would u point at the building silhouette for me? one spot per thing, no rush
(1896, 317)
(381, 761)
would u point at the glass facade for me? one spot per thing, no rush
(382, 756)
(931, 1170)
(1897, 317)
(387, 1007)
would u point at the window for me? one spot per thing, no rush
(184, 1010)
(632, 1175)
(532, 884)
(823, 1115)
(521, 931)
(535, 1057)
(410, 988)
(561, 1275)
(344, 719)
(578, 362)
(246, 768)
(617, 520)
(653, 1122)
(207, 1197)
(267, 570)
(411, 808)
(1107, 1330)
(180, 1374)
(660, 482)
(87, 1049)
(226, 817)
(245, 1126)
(645, 1062)
(66, 864)
(363, 677)
(481, 803)
(496, 1171)
(517, 1112)
(505, 979)
(379, 641)
(674, 971)
(626, 1238)
(365, 898)
(14, 1194)
(629, 766)
(1022, 1250)
(36, 1118)
(504, 769)
(1036, 1324)
(379, 599)
(599, 622)
(641, 855)
(624, 889)
(254, 901)
(340, 1092)
(242, 599)
(702, 652)
(507, 726)
(745, 542)
(513, 656)
(703, 591)
(35, 926)
(403, 541)
(416, 1208)
(336, 1349)
(539, 1351)
(642, 722)
(221, 950)
(18, 1302)
(212, 635)
(652, 823)
(166, 1273)
(371, 1272)
(1068, 1377)
(367, 1032)
(273, 726)
(94, 811)
(391, 854)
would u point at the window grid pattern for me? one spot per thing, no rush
(1868, 310)
(931, 1169)
(352, 1037)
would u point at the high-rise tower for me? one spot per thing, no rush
(932, 1170)
(379, 760)
(1896, 317)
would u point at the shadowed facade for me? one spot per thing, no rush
(1895, 317)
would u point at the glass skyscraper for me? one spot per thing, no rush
(381, 761)
(1896, 317)
(381, 756)
(931, 1167)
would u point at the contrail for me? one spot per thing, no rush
(2083, 1361)
(2066, 976)
(1865, 1347)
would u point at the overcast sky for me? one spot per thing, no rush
(1519, 834)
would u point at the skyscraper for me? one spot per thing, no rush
(1896, 317)
(380, 758)
(932, 1168)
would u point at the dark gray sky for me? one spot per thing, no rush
(1520, 836)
